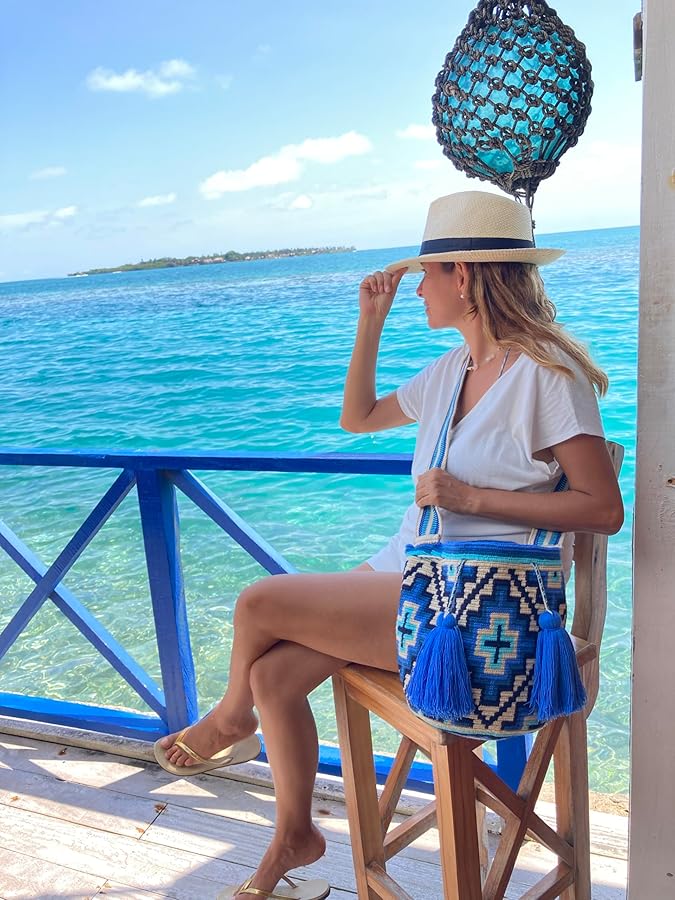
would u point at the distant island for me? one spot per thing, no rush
(170, 262)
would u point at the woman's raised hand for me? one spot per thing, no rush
(377, 292)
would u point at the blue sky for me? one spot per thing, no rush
(141, 129)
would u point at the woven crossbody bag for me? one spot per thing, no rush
(482, 647)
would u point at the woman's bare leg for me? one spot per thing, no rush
(281, 680)
(291, 633)
(349, 616)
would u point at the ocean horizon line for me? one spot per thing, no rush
(545, 234)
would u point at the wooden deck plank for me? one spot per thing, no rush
(137, 865)
(224, 797)
(144, 865)
(22, 879)
(100, 809)
(217, 795)
(236, 799)
(219, 838)
(608, 875)
(200, 832)
(221, 795)
(113, 890)
(81, 813)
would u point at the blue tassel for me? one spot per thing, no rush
(557, 689)
(439, 686)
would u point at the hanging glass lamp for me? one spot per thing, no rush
(513, 95)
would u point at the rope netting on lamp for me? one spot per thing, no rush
(513, 95)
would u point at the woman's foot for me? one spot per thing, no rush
(285, 854)
(214, 732)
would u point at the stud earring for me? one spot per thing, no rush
(461, 296)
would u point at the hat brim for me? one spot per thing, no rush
(540, 256)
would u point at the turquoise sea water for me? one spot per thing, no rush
(252, 356)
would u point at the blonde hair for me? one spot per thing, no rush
(516, 312)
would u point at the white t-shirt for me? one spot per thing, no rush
(528, 409)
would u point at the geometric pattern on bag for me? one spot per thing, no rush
(496, 604)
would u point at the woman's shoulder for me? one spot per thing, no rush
(559, 357)
(569, 386)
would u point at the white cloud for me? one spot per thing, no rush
(48, 172)
(340, 197)
(263, 173)
(302, 201)
(417, 132)
(329, 150)
(176, 68)
(285, 165)
(23, 220)
(158, 200)
(19, 221)
(429, 165)
(169, 78)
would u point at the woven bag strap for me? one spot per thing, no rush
(429, 518)
(540, 536)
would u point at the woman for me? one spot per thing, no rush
(526, 409)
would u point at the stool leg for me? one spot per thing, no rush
(482, 833)
(358, 773)
(457, 825)
(571, 796)
(481, 820)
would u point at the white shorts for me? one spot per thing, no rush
(391, 558)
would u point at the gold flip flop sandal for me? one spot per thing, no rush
(241, 752)
(301, 890)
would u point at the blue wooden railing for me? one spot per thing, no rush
(156, 476)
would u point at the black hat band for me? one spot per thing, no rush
(450, 245)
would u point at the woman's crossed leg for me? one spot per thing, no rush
(291, 632)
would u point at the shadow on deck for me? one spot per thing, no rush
(81, 823)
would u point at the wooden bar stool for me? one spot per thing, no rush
(464, 783)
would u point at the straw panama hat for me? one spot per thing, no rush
(476, 226)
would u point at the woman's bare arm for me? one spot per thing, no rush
(361, 409)
(592, 502)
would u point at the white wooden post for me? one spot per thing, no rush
(651, 872)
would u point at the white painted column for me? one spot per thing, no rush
(652, 823)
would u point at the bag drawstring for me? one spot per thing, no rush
(440, 684)
(557, 688)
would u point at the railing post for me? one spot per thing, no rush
(512, 755)
(161, 535)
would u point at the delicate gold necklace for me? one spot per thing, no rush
(476, 365)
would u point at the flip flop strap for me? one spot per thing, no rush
(247, 889)
(180, 743)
